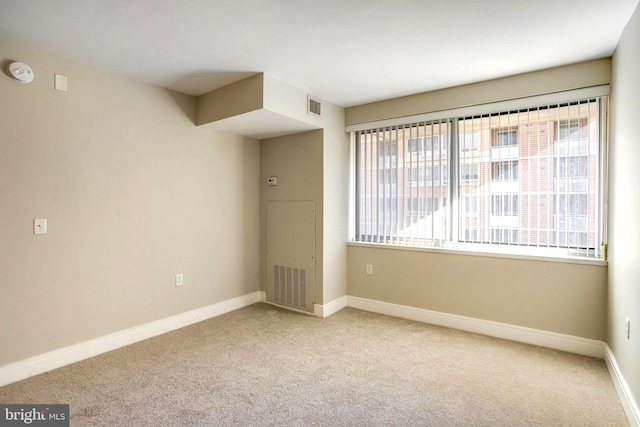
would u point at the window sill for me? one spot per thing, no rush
(449, 251)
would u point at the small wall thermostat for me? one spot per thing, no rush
(21, 72)
(272, 180)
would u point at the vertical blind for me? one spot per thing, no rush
(524, 181)
(403, 183)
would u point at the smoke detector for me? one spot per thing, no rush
(21, 72)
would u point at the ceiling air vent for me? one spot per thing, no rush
(314, 106)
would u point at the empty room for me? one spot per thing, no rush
(368, 212)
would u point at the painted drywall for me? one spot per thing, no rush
(336, 203)
(259, 107)
(311, 165)
(296, 160)
(134, 193)
(624, 205)
(290, 101)
(574, 76)
(237, 98)
(551, 296)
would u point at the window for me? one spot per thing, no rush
(421, 205)
(572, 137)
(470, 235)
(427, 145)
(504, 171)
(469, 141)
(426, 175)
(504, 205)
(469, 205)
(390, 205)
(572, 174)
(573, 204)
(415, 145)
(387, 176)
(507, 236)
(432, 173)
(387, 148)
(524, 181)
(505, 138)
(415, 178)
(469, 173)
(573, 130)
(438, 143)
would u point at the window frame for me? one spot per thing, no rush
(455, 165)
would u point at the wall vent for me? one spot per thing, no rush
(289, 286)
(314, 106)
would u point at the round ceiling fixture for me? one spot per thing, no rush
(21, 72)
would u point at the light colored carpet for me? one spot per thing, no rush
(265, 366)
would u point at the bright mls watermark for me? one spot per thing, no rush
(34, 415)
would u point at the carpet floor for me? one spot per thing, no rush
(264, 366)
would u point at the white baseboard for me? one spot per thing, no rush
(325, 310)
(74, 353)
(624, 394)
(541, 338)
(328, 309)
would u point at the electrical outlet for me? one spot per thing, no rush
(627, 328)
(369, 270)
(179, 280)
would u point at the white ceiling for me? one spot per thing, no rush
(347, 52)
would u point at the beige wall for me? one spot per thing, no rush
(575, 76)
(552, 296)
(231, 100)
(624, 205)
(336, 203)
(297, 162)
(311, 165)
(133, 192)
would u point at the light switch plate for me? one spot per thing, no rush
(60, 82)
(39, 226)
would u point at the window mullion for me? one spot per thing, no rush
(603, 163)
(399, 182)
(454, 179)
